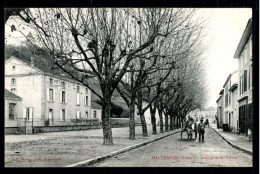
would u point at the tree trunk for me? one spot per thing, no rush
(177, 122)
(142, 118)
(161, 120)
(153, 119)
(171, 122)
(106, 121)
(166, 122)
(132, 120)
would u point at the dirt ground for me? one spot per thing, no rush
(59, 149)
(175, 152)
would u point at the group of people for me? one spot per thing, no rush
(197, 128)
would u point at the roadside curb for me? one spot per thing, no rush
(232, 144)
(100, 158)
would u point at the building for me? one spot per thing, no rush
(220, 109)
(13, 109)
(244, 55)
(230, 117)
(96, 111)
(49, 98)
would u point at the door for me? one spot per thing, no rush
(50, 116)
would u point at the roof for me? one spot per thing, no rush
(47, 66)
(221, 92)
(247, 32)
(219, 98)
(43, 64)
(11, 95)
(94, 105)
(234, 86)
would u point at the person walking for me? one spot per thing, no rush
(201, 130)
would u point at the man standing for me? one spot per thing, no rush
(201, 130)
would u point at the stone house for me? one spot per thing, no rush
(220, 108)
(13, 109)
(230, 105)
(49, 99)
(244, 55)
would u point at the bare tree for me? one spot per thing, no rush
(97, 43)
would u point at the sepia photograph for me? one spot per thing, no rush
(128, 87)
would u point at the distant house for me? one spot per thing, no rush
(230, 105)
(96, 111)
(13, 109)
(49, 98)
(220, 108)
(245, 86)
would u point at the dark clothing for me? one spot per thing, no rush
(201, 130)
(201, 137)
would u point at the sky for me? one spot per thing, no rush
(224, 29)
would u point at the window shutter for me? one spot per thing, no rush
(66, 96)
(30, 114)
(24, 113)
(60, 114)
(48, 94)
(77, 114)
(53, 94)
(65, 115)
(60, 96)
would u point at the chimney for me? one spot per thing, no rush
(32, 61)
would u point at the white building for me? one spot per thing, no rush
(48, 99)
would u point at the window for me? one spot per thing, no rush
(245, 80)
(13, 81)
(250, 47)
(63, 96)
(86, 100)
(245, 54)
(241, 85)
(63, 115)
(77, 89)
(78, 114)
(63, 85)
(250, 77)
(86, 114)
(50, 94)
(13, 90)
(87, 90)
(242, 60)
(51, 81)
(13, 68)
(95, 114)
(12, 111)
(226, 100)
(229, 100)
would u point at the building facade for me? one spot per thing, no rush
(13, 109)
(230, 105)
(96, 111)
(48, 99)
(220, 109)
(244, 55)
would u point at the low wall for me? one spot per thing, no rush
(92, 124)
(14, 130)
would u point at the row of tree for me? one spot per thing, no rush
(152, 57)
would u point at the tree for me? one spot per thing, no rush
(98, 43)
